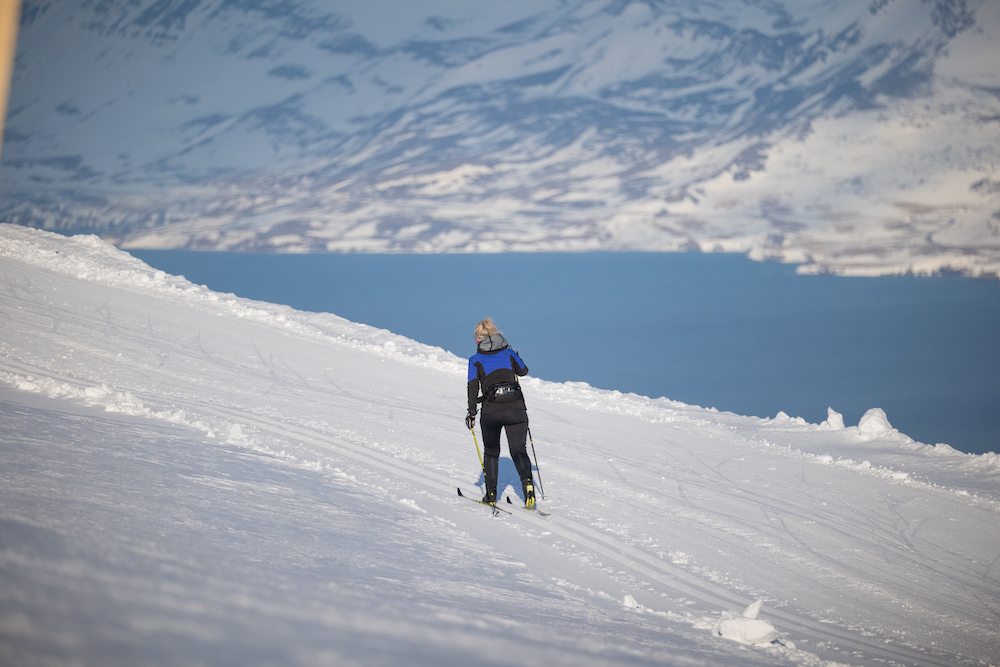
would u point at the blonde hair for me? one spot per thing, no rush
(485, 328)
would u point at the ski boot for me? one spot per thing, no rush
(490, 498)
(529, 494)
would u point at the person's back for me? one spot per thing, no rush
(494, 370)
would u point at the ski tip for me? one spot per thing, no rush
(459, 491)
(508, 501)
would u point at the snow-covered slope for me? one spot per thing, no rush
(854, 137)
(191, 477)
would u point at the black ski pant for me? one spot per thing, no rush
(515, 423)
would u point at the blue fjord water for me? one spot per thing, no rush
(716, 330)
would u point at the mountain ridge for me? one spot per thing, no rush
(853, 140)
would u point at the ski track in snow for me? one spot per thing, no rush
(668, 520)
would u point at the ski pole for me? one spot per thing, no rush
(541, 488)
(537, 469)
(476, 440)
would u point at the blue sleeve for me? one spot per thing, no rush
(472, 369)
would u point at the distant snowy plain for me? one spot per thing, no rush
(194, 478)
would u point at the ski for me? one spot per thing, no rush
(496, 510)
(529, 509)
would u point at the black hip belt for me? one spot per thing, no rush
(504, 392)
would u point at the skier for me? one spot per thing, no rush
(494, 369)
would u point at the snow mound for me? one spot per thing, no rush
(115, 401)
(746, 628)
(874, 424)
(112, 401)
(834, 421)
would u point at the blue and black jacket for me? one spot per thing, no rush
(494, 369)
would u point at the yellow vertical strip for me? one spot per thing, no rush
(10, 19)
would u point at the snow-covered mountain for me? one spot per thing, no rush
(194, 478)
(853, 137)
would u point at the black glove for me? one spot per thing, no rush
(470, 421)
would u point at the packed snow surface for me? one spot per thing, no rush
(194, 478)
